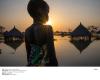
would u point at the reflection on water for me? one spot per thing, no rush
(81, 45)
(14, 45)
(12, 57)
(68, 53)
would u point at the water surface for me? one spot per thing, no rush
(68, 54)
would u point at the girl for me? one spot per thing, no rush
(39, 37)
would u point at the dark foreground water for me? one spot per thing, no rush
(68, 53)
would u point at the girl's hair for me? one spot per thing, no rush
(35, 5)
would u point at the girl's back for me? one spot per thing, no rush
(41, 35)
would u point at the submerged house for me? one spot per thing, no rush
(81, 33)
(1, 33)
(13, 35)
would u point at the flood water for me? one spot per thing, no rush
(68, 53)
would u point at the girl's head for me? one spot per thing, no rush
(38, 10)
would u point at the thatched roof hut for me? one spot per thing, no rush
(13, 35)
(81, 32)
(15, 32)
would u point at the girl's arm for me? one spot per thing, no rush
(51, 48)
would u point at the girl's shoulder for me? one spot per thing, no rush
(37, 28)
(29, 29)
(48, 27)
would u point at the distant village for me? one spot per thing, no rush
(80, 33)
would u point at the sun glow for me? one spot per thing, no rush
(49, 22)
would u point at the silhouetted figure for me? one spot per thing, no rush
(39, 35)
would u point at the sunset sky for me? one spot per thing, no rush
(64, 14)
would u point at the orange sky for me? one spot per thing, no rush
(64, 14)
